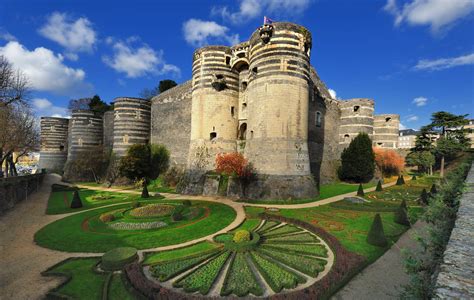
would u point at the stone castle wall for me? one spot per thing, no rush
(132, 123)
(386, 130)
(108, 125)
(54, 143)
(171, 122)
(357, 115)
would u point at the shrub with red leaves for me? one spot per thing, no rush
(231, 164)
(389, 161)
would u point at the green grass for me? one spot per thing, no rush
(84, 283)
(326, 191)
(117, 289)
(158, 257)
(59, 202)
(67, 234)
(157, 186)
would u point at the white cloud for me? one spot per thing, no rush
(332, 93)
(7, 36)
(445, 63)
(402, 127)
(137, 61)
(420, 101)
(438, 14)
(44, 108)
(198, 33)
(74, 35)
(412, 118)
(46, 71)
(250, 9)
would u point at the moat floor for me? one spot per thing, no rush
(384, 278)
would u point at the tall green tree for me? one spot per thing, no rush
(96, 104)
(452, 135)
(162, 86)
(423, 160)
(358, 160)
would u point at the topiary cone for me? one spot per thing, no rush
(433, 189)
(402, 179)
(376, 234)
(145, 192)
(360, 191)
(424, 197)
(379, 186)
(76, 200)
(401, 215)
(414, 177)
(399, 181)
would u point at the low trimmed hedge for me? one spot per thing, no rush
(117, 258)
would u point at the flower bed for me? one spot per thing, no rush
(295, 238)
(302, 249)
(306, 265)
(137, 226)
(282, 230)
(240, 279)
(152, 210)
(268, 225)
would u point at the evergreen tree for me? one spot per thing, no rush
(360, 191)
(402, 180)
(401, 214)
(76, 200)
(433, 189)
(399, 181)
(166, 85)
(96, 104)
(379, 186)
(145, 191)
(376, 234)
(424, 197)
(358, 160)
(413, 178)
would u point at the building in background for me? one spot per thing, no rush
(407, 138)
(470, 134)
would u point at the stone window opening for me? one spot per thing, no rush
(255, 70)
(379, 144)
(213, 136)
(243, 131)
(244, 85)
(244, 107)
(61, 147)
(388, 119)
(227, 60)
(251, 134)
(232, 111)
(346, 138)
(318, 119)
(356, 108)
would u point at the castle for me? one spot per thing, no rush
(261, 98)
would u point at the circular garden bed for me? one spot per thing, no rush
(273, 258)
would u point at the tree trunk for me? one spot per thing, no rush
(441, 171)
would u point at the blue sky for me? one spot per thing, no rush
(414, 57)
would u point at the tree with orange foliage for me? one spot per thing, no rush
(235, 164)
(389, 162)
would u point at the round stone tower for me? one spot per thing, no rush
(357, 115)
(214, 112)
(277, 106)
(86, 132)
(386, 130)
(132, 123)
(54, 136)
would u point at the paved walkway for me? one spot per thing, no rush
(384, 278)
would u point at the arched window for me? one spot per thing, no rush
(318, 119)
(243, 131)
(346, 138)
(213, 135)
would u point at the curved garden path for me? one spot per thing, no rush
(23, 261)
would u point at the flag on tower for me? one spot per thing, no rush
(267, 20)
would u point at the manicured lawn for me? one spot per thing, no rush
(72, 233)
(158, 257)
(59, 202)
(85, 282)
(157, 186)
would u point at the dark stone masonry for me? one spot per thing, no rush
(456, 274)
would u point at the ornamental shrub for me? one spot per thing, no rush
(433, 190)
(389, 162)
(376, 234)
(76, 200)
(379, 186)
(413, 178)
(177, 216)
(424, 197)
(187, 203)
(241, 236)
(399, 181)
(231, 164)
(401, 214)
(107, 217)
(402, 180)
(145, 193)
(360, 191)
(358, 160)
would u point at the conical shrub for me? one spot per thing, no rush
(76, 200)
(433, 189)
(424, 197)
(413, 177)
(401, 214)
(402, 179)
(145, 192)
(379, 186)
(376, 234)
(360, 191)
(399, 181)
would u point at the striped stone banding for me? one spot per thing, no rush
(86, 126)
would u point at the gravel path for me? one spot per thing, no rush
(22, 260)
(383, 279)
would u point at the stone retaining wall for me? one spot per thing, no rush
(456, 274)
(16, 189)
